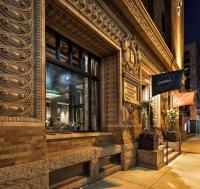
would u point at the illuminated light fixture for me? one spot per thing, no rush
(66, 78)
(179, 5)
(52, 94)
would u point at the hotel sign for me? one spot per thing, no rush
(130, 90)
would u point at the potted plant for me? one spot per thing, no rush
(171, 134)
(148, 139)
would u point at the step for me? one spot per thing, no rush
(170, 150)
(171, 156)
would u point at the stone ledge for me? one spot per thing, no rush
(71, 157)
(108, 150)
(59, 136)
(23, 174)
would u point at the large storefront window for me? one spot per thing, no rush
(71, 86)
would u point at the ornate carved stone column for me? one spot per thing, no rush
(22, 66)
(131, 82)
(129, 92)
(22, 79)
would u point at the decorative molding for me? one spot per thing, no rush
(156, 110)
(131, 114)
(149, 29)
(100, 18)
(110, 90)
(61, 21)
(131, 57)
(148, 66)
(20, 61)
(131, 73)
(179, 5)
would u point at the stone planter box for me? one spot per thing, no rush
(152, 159)
(148, 141)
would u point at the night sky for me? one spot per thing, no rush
(192, 21)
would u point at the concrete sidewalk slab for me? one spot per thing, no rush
(181, 173)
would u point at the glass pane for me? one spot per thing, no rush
(66, 100)
(85, 62)
(94, 105)
(75, 57)
(64, 51)
(50, 53)
(50, 45)
(94, 67)
(50, 40)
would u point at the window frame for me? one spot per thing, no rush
(77, 70)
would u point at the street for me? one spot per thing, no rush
(182, 173)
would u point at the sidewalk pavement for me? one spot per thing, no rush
(181, 173)
(192, 145)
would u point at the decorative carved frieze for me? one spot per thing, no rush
(156, 110)
(131, 69)
(149, 29)
(62, 21)
(164, 107)
(18, 60)
(130, 57)
(100, 18)
(148, 66)
(131, 114)
(110, 89)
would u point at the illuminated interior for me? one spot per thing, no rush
(71, 86)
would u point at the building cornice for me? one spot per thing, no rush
(137, 14)
(98, 17)
(148, 66)
(110, 28)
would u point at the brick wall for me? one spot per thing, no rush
(21, 144)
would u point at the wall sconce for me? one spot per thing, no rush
(179, 5)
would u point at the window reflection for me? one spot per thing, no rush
(51, 45)
(64, 50)
(66, 97)
(71, 86)
(75, 57)
(85, 60)
(94, 66)
(94, 115)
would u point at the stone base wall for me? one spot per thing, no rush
(36, 183)
(121, 135)
(21, 145)
(73, 143)
(128, 156)
(29, 175)
(36, 174)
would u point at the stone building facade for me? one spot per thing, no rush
(119, 40)
(191, 66)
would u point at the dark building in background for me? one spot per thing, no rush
(192, 73)
(166, 21)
